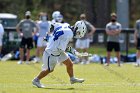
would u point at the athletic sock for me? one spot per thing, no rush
(36, 79)
(72, 78)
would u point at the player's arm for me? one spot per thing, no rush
(135, 36)
(109, 32)
(116, 32)
(49, 30)
(93, 29)
(135, 33)
(36, 28)
(18, 28)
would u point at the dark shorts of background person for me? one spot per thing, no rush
(138, 44)
(26, 42)
(113, 45)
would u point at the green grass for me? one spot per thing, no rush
(101, 50)
(16, 78)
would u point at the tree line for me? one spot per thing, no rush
(97, 11)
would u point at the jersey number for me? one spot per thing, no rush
(57, 35)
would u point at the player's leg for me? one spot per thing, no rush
(28, 56)
(78, 45)
(109, 49)
(85, 50)
(138, 53)
(108, 58)
(49, 63)
(40, 48)
(118, 57)
(0, 47)
(21, 50)
(42, 74)
(29, 46)
(69, 66)
(78, 48)
(117, 50)
(138, 58)
(39, 45)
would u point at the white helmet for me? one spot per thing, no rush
(59, 18)
(28, 13)
(55, 14)
(79, 29)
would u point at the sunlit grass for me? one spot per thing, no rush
(16, 78)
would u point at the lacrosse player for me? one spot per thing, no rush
(55, 51)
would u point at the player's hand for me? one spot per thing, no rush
(69, 49)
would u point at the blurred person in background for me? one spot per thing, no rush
(137, 41)
(84, 42)
(113, 29)
(26, 28)
(1, 37)
(44, 29)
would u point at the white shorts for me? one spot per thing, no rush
(41, 42)
(49, 60)
(82, 43)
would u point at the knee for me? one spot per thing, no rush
(51, 70)
(48, 71)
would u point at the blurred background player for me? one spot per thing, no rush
(55, 14)
(44, 29)
(84, 42)
(113, 30)
(1, 37)
(137, 41)
(26, 29)
(55, 52)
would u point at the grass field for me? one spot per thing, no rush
(16, 78)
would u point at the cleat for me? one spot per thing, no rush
(19, 62)
(137, 65)
(37, 84)
(27, 62)
(76, 80)
(106, 64)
